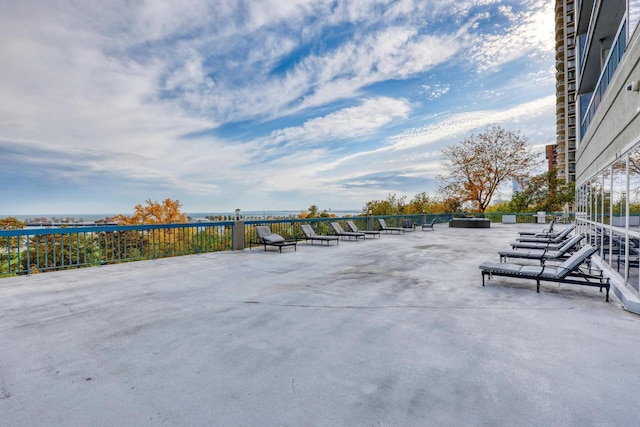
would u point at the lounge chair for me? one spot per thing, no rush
(560, 237)
(354, 229)
(309, 234)
(544, 231)
(339, 231)
(568, 272)
(544, 254)
(267, 238)
(408, 225)
(429, 225)
(383, 227)
(537, 245)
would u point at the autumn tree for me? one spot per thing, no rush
(478, 165)
(445, 205)
(393, 205)
(167, 212)
(11, 223)
(421, 202)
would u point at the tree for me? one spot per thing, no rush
(393, 205)
(420, 203)
(544, 192)
(479, 164)
(167, 212)
(11, 223)
(314, 212)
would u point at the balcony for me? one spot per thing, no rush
(603, 27)
(560, 108)
(611, 64)
(560, 130)
(386, 329)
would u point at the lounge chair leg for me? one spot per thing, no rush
(537, 286)
(483, 278)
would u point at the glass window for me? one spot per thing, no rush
(606, 214)
(618, 245)
(632, 273)
(619, 194)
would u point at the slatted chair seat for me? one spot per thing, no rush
(339, 231)
(383, 227)
(545, 232)
(267, 238)
(563, 235)
(429, 226)
(310, 234)
(354, 229)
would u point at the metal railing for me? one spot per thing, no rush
(290, 229)
(28, 251)
(531, 217)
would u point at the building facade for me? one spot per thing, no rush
(564, 160)
(608, 139)
(551, 156)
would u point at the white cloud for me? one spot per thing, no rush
(435, 91)
(529, 32)
(461, 124)
(348, 123)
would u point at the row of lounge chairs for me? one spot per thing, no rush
(407, 225)
(265, 237)
(574, 268)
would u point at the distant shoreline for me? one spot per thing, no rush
(194, 215)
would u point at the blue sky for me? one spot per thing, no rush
(261, 105)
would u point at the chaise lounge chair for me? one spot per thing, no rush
(546, 231)
(354, 229)
(267, 238)
(408, 225)
(544, 254)
(560, 237)
(383, 227)
(309, 234)
(339, 231)
(537, 245)
(429, 225)
(568, 272)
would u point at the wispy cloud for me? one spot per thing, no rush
(461, 124)
(348, 123)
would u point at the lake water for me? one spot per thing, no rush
(196, 215)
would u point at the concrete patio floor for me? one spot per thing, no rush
(391, 332)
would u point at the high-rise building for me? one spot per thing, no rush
(551, 156)
(565, 152)
(608, 150)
